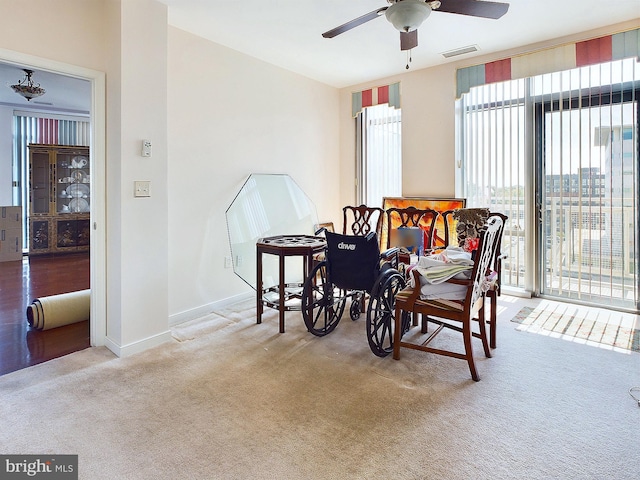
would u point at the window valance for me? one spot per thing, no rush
(375, 96)
(564, 57)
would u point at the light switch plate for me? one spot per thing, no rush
(142, 188)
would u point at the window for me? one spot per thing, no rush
(558, 153)
(379, 138)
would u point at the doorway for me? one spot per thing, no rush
(589, 188)
(97, 258)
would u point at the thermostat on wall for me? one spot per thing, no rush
(146, 148)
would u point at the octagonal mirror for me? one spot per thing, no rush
(266, 206)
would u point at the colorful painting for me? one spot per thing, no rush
(438, 204)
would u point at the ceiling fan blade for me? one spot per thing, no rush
(354, 23)
(408, 40)
(474, 8)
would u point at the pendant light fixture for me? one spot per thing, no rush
(27, 88)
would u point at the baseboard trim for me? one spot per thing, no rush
(516, 292)
(139, 346)
(203, 310)
(175, 319)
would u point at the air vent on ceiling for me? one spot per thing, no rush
(42, 103)
(460, 51)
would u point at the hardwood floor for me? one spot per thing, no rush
(20, 283)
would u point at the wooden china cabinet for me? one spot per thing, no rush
(59, 199)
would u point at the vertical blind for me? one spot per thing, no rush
(558, 153)
(380, 165)
(31, 129)
(493, 140)
(587, 123)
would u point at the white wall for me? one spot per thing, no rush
(126, 39)
(231, 115)
(137, 236)
(214, 116)
(69, 31)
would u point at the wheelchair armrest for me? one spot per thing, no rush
(391, 252)
(392, 255)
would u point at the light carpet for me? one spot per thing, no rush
(229, 399)
(592, 326)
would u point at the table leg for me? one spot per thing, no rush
(259, 287)
(307, 265)
(281, 293)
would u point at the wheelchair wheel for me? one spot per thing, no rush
(381, 312)
(354, 309)
(322, 303)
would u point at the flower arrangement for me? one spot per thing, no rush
(471, 244)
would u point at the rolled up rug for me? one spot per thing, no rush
(54, 311)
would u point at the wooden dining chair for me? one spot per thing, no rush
(494, 290)
(411, 218)
(460, 227)
(463, 223)
(361, 220)
(457, 315)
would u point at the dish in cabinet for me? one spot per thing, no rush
(78, 205)
(78, 190)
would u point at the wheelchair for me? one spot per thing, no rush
(353, 268)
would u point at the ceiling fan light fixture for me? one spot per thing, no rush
(27, 88)
(407, 15)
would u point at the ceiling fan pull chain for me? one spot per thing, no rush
(408, 58)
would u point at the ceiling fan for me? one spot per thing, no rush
(407, 15)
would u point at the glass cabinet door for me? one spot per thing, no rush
(72, 183)
(40, 183)
(59, 199)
